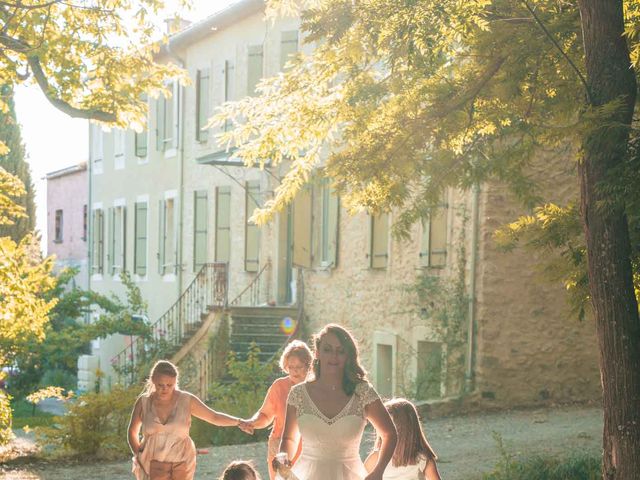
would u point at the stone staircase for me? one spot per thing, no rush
(268, 327)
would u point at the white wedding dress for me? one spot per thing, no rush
(331, 446)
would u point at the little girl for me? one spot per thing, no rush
(240, 470)
(413, 457)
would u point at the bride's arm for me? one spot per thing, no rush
(381, 421)
(289, 443)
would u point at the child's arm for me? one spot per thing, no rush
(370, 462)
(431, 470)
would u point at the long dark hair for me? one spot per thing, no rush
(412, 444)
(354, 373)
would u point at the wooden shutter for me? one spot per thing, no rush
(330, 222)
(433, 246)
(112, 240)
(302, 220)
(379, 252)
(288, 46)
(199, 229)
(252, 231)
(223, 224)
(202, 104)
(160, 123)
(140, 239)
(162, 215)
(254, 67)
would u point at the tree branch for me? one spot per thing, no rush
(29, 7)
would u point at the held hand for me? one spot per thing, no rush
(281, 466)
(246, 427)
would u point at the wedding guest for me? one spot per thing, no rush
(330, 412)
(240, 470)
(295, 361)
(162, 414)
(413, 456)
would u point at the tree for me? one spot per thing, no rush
(91, 59)
(414, 97)
(14, 163)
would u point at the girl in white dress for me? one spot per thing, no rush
(330, 412)
(413, 459)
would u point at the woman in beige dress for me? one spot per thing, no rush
(162, 414)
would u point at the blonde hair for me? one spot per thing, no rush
(412, 444)
(240, 470)
(161, 367)
(297, 349)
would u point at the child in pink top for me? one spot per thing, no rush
(295, 362)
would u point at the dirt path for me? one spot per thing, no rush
(465, 445)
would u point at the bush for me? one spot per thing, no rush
(575, 466)
(240, 394)
(5, 418)
(95, 424)
(27, 414)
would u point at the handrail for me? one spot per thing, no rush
(207, 290)
(253, 288)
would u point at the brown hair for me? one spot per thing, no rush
(354, 373)
(161, 367)
(297, 349)
(240, 470)
(412, 444)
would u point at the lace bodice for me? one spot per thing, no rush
(330, 446)
(364, 395)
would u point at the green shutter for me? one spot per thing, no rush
(302, 228)
(112, 240)
(140, 239)
(288, 46)
(223, 224)
(329, 230)
(252, 231)
(254, 68)
(199, 229)
(379, 252)
(162, 213)
(160, 123)
(202, 104)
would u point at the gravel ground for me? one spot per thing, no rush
(465, 445)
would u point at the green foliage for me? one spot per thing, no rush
(240, 393)
(5, 418)
(572, 466)
(28, 415)
(14, 163)
(94, 425)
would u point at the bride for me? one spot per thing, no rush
(330, 412)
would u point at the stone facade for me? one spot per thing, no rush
(525, 349)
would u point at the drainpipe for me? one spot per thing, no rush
(181, 120)
(469, 377)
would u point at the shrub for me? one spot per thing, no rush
(5, 418)
(241, 394)
(59, 377)
(27, 414)
(95, 424)
(574, 466)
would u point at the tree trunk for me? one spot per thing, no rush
(610, 77)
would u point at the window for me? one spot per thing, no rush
(429, 370)
(254, 68)
(384, 362)
(118, 149)
(288, 46)
(229, 87)
(117, 239)
(85, 222)
(379, 241)
(167, 120)
(168, 253)
(433, 247)
(58, 227)
(140, 233)
(199, 229)
(97, 259)
(97, 149)
(223, 224)
(302, 228)
(329, 226)
(251, 230)
(202, 104)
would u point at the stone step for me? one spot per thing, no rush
(263, 311)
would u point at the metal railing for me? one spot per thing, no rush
(209, 289)
(251, 292)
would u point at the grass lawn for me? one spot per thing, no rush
(25, 414)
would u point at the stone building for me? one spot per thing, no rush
(443, 315)
(67, 222)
